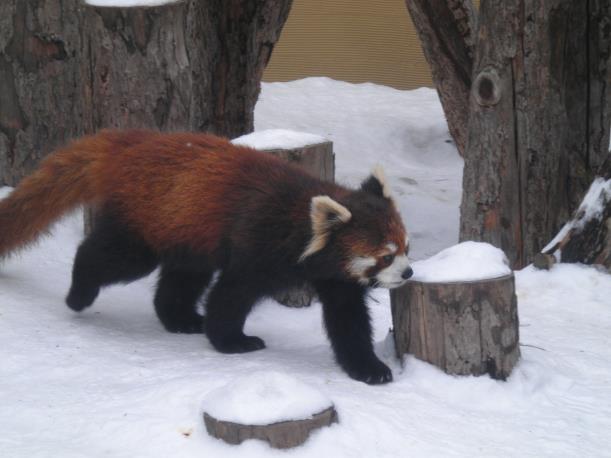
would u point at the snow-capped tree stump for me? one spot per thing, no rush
(315, 155)
(464, 328)
(284, 434)
(267, 405)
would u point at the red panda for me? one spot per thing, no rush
(194, 204)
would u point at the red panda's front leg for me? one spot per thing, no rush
(349, 329)
(228, 305)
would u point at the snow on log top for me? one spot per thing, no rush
(278, 139)
(467, 261)
(263, 398)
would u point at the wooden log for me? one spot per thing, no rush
(464, 328)
(284, 434)
(318, 159)
(586, 238)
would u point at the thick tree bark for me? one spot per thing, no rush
(539, 119)
(447, 33)
(40, 101)
(67, 69)
(190, 65)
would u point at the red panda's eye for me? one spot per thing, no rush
(387, 259)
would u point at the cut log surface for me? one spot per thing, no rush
(284, 434)
(464, 328)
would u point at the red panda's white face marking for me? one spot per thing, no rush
(388, 269)
(378, 244)
(367, 235)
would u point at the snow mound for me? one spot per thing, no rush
(278, 138)
(466, 261)
(263, 398)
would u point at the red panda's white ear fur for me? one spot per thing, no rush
(378, 173)
(325, 214)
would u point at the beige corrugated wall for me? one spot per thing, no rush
(350, 40)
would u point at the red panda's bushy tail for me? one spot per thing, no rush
(63, 181)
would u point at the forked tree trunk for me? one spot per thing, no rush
(67, 69)
(446, 29)
(539, 119)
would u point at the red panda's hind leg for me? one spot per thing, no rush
(110, 254)
(178, 291)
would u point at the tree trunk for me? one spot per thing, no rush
(67, 69)
(539, 119)
(464, 328)
(40, 100)
(447, 33)
(190, 65)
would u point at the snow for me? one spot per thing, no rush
(111, 382)
(278, 138)
(129, 3)
(592, 207)
(263, 398)
(467, 261)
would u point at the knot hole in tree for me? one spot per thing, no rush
(487, 87)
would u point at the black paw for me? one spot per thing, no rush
(80, 298)
(237, 344)
(374, 372)
(191, 326)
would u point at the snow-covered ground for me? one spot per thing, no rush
(112, 382)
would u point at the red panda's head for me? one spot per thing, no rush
(364, 233)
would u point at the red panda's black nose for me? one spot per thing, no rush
(407, 273)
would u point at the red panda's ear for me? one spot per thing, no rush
(325, 215)
(376, 183)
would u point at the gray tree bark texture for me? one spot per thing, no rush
(285, 434)
(464, 328)
(447, 30)
(318, 160)
(68, 69)
(40, 101)
(539, 119)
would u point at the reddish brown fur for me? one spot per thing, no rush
(173, 189)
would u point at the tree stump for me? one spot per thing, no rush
(318, 159)
(464, 328)
(284, 434)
